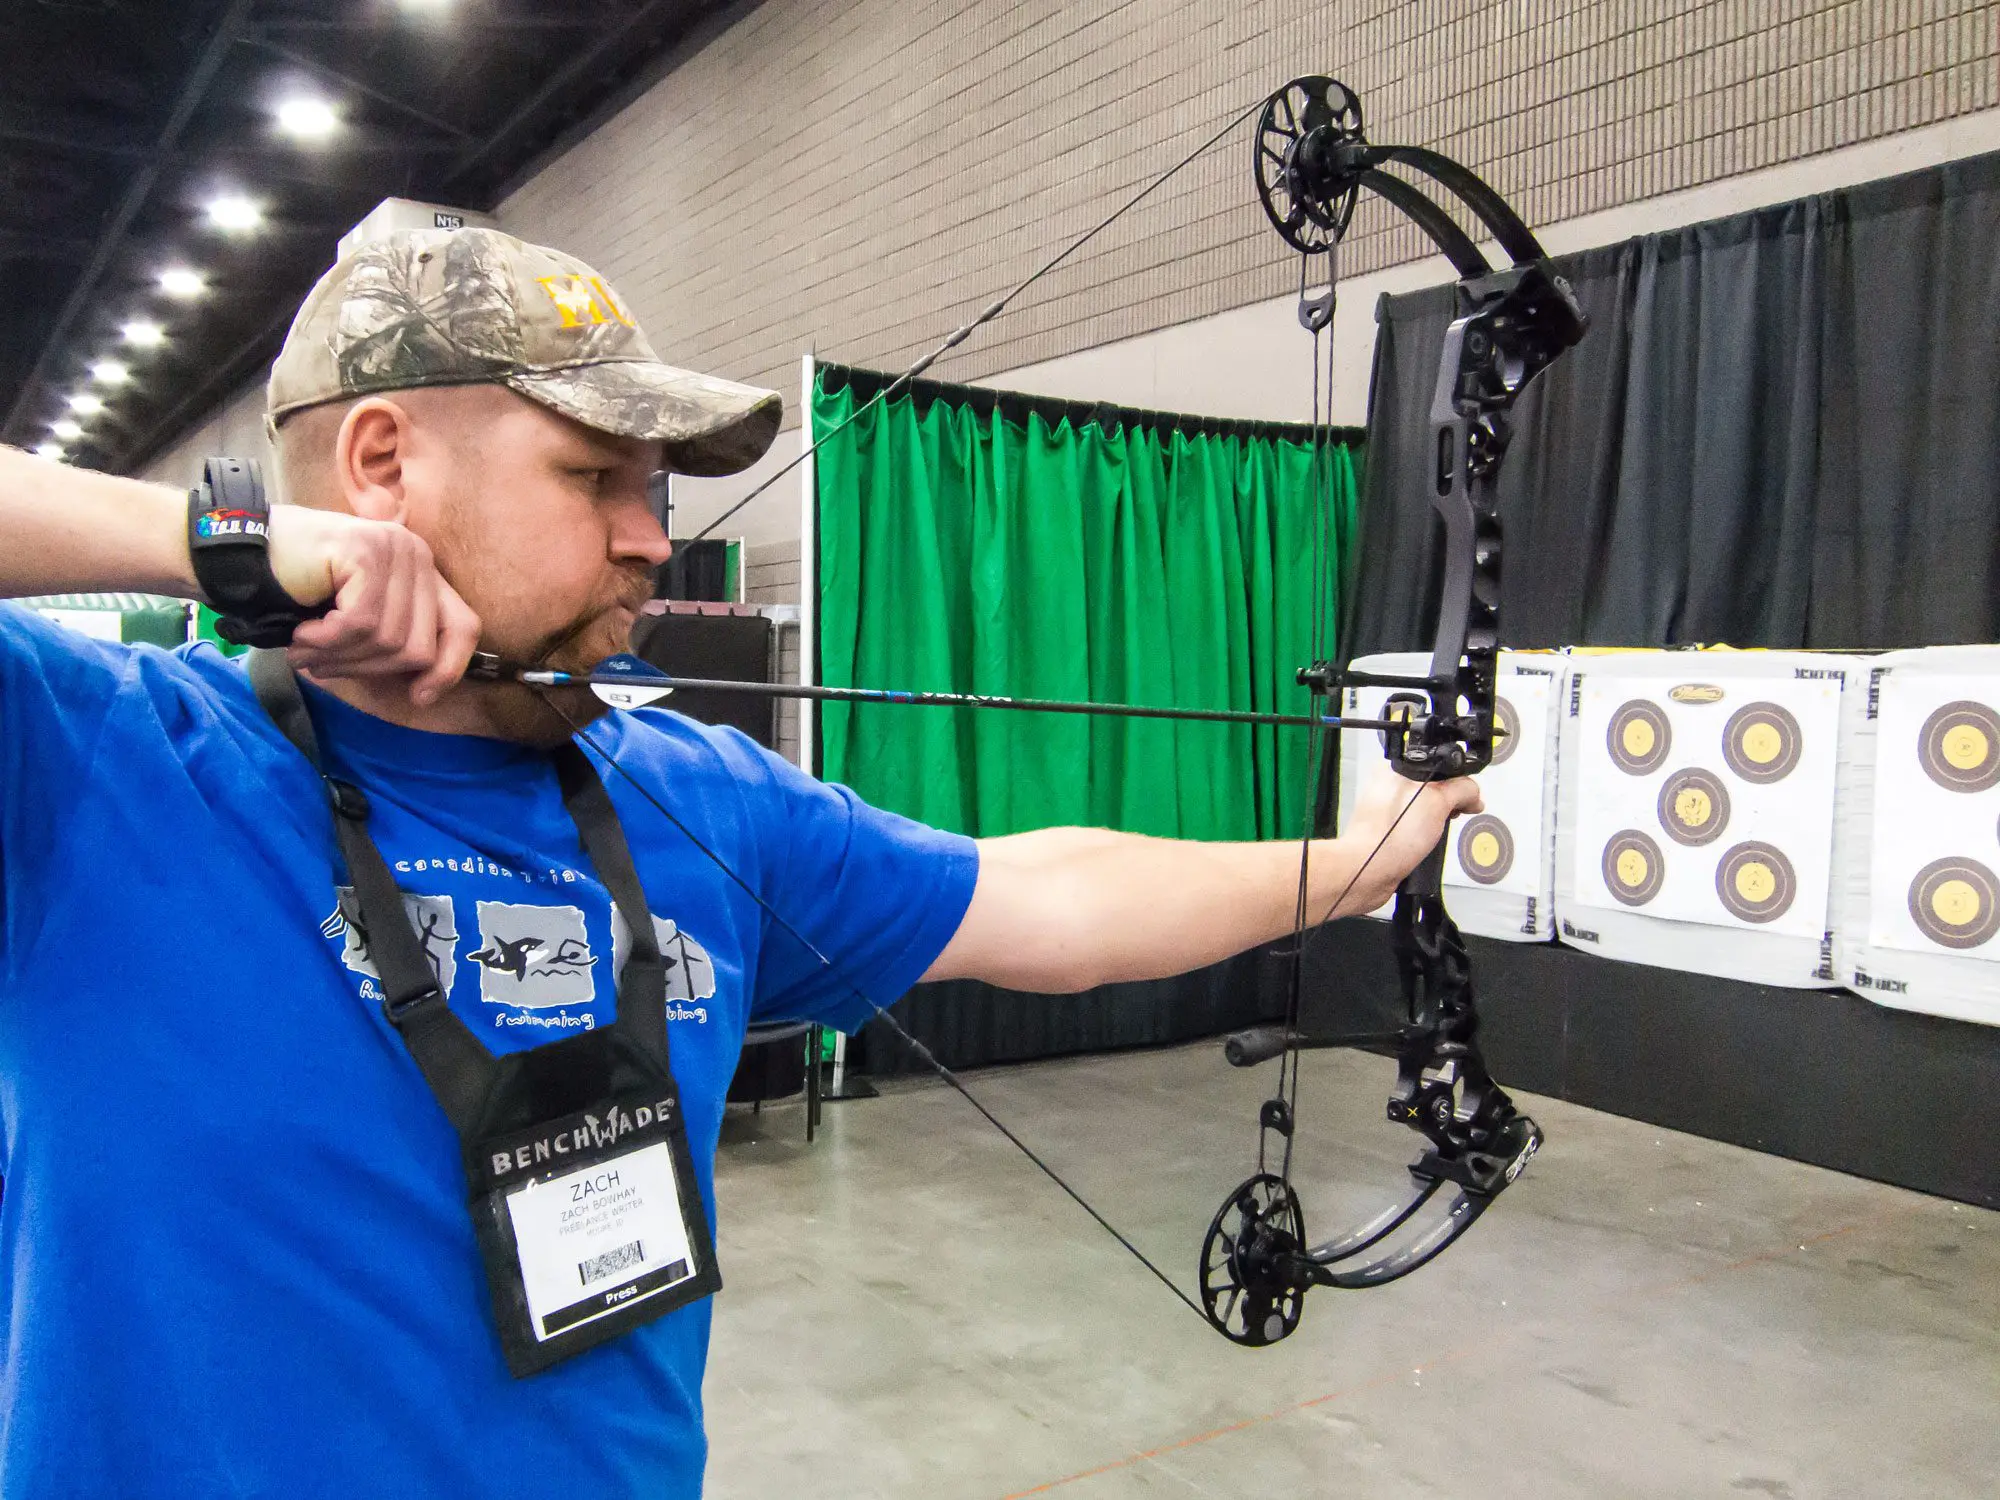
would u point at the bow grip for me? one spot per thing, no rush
(1427, 879)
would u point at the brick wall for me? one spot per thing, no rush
(861, 177)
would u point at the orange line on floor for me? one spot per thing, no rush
(1388, 1377)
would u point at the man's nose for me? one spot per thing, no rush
(638, 536)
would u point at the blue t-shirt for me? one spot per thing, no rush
(238, 1257)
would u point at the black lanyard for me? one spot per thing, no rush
(582, 1092)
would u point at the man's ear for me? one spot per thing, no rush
(369, 454)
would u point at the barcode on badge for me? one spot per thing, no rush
(611, 1262)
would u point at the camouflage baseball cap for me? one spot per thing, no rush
(475, 306)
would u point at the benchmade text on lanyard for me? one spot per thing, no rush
(580, 1180)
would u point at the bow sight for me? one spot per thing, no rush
(1312, 159)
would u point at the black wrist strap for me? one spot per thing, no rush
(229, 545)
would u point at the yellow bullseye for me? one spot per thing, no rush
(1692, 807)
(1638, 739)
(1485, 849)
(1755, 882)
(1956, 903)
(1965, 747)
(1762, 743)
(1632, 868)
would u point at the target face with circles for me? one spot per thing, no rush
(1506, 731)
(1706, 758)
(1485, 849)
(1640, 738)
(1694, 807)
(1761, 743)
(1756, 882)
(1959, 747)
(1934, 827)
(1956, 902)
(1633, 868)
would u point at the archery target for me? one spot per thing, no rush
(1485, 849)
(1955, 902)
(1935, 841)
(1694, 806)
(1959, 746)
(1498, 862)
(1705, 793)
(1639, 738)
(1633, 868)
(1760, 743)
(1756, 882)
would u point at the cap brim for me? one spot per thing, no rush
(708, 426)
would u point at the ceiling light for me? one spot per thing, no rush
(66, 429)
(234, 214)
(85, 404)
(111, 372)
(49, 450)
(142, 334)
(307, 119)
(182, 284)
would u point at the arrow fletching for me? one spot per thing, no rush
(628, 681)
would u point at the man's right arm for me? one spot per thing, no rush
(70, 531)
(67, 530)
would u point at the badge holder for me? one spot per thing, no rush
(581, 1182)
(585, 1241)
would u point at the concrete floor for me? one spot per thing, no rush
(910, 1310)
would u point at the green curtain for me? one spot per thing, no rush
(149, 619)
(1125, 563)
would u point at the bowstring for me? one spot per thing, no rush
(923, 1053)
(1319, 480)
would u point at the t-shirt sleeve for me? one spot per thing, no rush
(56, 691)
(879, 895)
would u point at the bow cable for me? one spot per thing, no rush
(999, 305)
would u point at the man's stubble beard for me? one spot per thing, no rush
(541, 717)
(547, 717)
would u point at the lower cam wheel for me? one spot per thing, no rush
(1249, 1285)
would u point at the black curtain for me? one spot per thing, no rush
(1782, 430)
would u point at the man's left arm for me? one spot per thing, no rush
(1065, 909)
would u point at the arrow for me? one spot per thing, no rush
(627, 681)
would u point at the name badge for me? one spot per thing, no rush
(589, 1226)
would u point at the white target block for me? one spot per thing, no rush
(1920, 912)
(1500, 866)
(1696, 819)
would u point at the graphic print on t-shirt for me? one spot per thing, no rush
(430, 916)
(533, 957)
(690, 972)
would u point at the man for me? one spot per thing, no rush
(239, 1255)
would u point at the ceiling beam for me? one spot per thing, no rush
(194, 87)
(367, 90)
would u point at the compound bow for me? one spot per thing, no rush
(1312, 160)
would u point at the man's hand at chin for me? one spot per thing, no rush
(393, 615)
